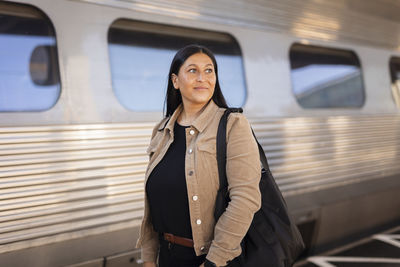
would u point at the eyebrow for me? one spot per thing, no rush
(209, 64)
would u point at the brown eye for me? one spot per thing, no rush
(192, 70)
(209, 70)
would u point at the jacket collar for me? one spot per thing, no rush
(199, 123)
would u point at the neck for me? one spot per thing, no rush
(190, 113)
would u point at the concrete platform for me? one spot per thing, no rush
(379, 250)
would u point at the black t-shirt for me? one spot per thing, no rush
(166, 190)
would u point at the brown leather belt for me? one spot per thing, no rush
(186, 242)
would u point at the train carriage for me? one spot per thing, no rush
(82, 83)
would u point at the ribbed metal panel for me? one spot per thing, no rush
(308, 154)
(368, 22)
(59, 182)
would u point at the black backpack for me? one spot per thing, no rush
(273, 239)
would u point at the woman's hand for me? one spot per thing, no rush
(149, 264)
(202, 265)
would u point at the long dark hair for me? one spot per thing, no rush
(173, 98)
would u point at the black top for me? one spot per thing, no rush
(166, 190)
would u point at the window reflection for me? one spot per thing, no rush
(140, 55)
(29, 77)
(326, 78)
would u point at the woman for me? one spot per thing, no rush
(181, 180)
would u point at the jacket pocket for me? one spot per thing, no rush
(206, 162)
(209, 148)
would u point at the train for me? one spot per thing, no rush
(82, 83)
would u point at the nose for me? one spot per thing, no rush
(200, 77)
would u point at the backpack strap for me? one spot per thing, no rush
(221, 147)
(223, 194)
(263, 158)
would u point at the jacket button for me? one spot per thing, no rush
(198, 221)
(202, 248)
(190, 151)
(195, 198)
(191, 132)
(190, 173)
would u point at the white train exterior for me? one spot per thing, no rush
(71, 174)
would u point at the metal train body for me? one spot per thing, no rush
(71, 176)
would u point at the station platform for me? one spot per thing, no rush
(379, 250)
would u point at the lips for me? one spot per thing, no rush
(200, 88)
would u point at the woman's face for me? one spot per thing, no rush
(196, 80)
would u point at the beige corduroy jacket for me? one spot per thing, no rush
(219, 240)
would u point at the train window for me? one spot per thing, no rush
(140, 55)
(325, 77)
(395, 75)
(29, 75)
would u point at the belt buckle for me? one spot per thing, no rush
(169, 238)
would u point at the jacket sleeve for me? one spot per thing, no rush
(148, 238)
(149, 243)
(243, 170)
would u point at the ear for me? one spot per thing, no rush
(174, 79)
